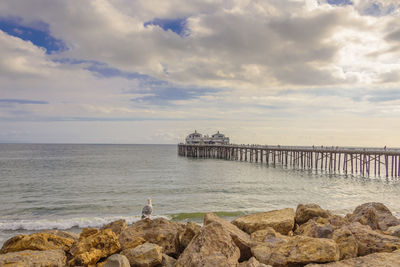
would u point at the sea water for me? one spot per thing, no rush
(64, 186)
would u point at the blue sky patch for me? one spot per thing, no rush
(22, 101)
(340, 2)
(178, 25)
(38, 34)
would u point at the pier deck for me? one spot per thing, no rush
(344, 160)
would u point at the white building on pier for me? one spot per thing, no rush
(198, 138)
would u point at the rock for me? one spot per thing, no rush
(280, 250)
(335, 221)
(64, 234)
(374, 214)
(370, 241)
(129, 238)
(48, 258)
(241, 239)
(281, 220)
(117, 226)
(212, 246)
(88, 250)
(146, 255)
(309, 211)
(167, 261)
(347, 243)
(266, 234)
(191, 229)
(383, 259)
(88, 232)
(159, 231)
(253, 262)
(394, 230)
(37, 241)
(314, 229)
(116, 260)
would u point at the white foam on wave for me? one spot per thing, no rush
(64, 223)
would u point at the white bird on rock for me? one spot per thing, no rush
(147, 210)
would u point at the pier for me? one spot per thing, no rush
(342, 160)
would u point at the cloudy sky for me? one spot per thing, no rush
(295, 72)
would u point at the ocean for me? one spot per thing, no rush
(71, 186)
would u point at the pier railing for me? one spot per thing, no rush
(346, 160)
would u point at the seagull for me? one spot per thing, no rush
(147, 210)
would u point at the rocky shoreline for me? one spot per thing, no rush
(309, 236)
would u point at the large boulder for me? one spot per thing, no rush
(146, 255)
(117, 226)
(241, 239)
(394, 230)
(159, 231)
(167, 261)
(65, 234)
(383, 259)
(266, 234)
(370, 241)
(374, 214)
(281, 220)
(191, 229)
(347, 243)
(314, 229)
(212, 246)
(116, 260)
(48, 258)
(129, 238)
(309, 211)
(37, 241)
(89, 249)
(279, 250)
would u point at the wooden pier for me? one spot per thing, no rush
(342, 160)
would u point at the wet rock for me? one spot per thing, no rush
(212, 246)
(116, 260)
(374, 214)
(146, 255)
(281, 220)
(241, 239)
(371, 260)
(309, 211)
(370, 241)
(48, 258)
(90, 249)
(167, 261)
(37, 241)
(313, 229)
(394, 230)
(280, 250)
(117, 226)
(191, 229)
(159, 231)
(253, 262)
(347, 243)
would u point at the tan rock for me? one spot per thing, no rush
(129, 238)
(281, 220)
(116, 260)
(313, 229)
(88, 250)
(212, 246)
(37, 241)
(383, 259)
(253, 262)
(370, 241)
(266, 234)
(376, 215)
(117, 226)
(64, 234)
(48, 258)
(280, 250)
(191, 229)
(309, 211)
(394, 230)
(146, 255)
(347, 243)
(168, 261)
(88, 232)
(159, 231)
(241, 239)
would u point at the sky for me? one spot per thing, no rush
(288, 72)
